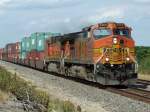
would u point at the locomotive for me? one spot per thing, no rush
(102, 53)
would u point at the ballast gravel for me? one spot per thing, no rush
(91, 99)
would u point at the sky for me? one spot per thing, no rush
(20, 18)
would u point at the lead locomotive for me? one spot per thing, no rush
(103, 53)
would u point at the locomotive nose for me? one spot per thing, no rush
(118, 53)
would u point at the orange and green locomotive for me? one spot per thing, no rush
(103, 53)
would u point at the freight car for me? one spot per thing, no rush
(102, 53)
(33, 49)
(11, 52)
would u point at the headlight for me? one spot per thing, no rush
(115, 40)
(107, 59)
(128, 59)
(111, 65)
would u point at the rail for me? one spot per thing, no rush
(133, 93)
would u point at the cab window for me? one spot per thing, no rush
(99, 33)
(122, 32)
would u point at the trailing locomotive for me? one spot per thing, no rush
(103, 53)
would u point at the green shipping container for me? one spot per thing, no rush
(38, 40)
(33, 39)
(24, 47)
(41, 42)
(41, 39)
(28, 47)
(23, 44)
(23, 55)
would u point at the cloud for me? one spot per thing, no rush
(142, 1)
(106, 14)
(4, 2)
(113, 13)
(37, 4)
(21, 17)
(67, 20)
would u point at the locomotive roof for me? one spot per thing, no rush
(106, 25)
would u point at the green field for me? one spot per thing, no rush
(143, 58)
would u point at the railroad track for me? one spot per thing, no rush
(146, 82)
(133, 93)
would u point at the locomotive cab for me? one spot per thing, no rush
(114, 54)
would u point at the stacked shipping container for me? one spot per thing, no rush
(23, 48)
(10, 51)
(37, 52)
(32, 48)
(30, 51)
(16, 52)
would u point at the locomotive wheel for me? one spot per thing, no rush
(66, 71)
(91, 77)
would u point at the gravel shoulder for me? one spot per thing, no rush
(9, 103)
(90, 99)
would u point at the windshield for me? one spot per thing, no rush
(123, 32)
(99, 33)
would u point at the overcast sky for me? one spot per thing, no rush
(19, 18)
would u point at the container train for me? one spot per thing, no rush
(102, 53)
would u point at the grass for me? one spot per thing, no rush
(143, 58)
(144, 65)
(144, 77)
(24, 91)
(3, 96)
